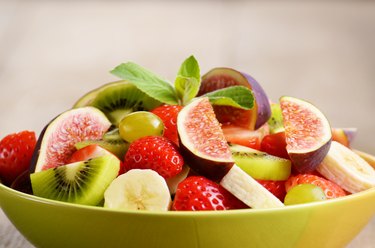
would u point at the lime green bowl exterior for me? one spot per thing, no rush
(47, 223)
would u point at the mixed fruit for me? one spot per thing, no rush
(203, 143)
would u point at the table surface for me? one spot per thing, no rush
(52, 52)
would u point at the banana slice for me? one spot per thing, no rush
(347, 169)
(370, 159)
(138, 190)
(248, 190)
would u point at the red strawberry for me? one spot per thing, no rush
(243, 136)
(199, 193)
(168, 114)
(87, 152)
(330, 189)
(277, 188)
(156, 153)
(275, 144)
(16, 151)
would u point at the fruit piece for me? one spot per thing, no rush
(117, 148)
(219, 78)
(81, 182)
(16, 151)
(173, 182)
(154, 152)
(275, 122)
(87, 99)
(243, 136)
(56, 143)
(118, 100)
(202, 142)
(140, 124)
(169, 113)
(199, 193)
(275, 144)
(331, 190)
(248, 190)
(88, 152)
(344, 136)
(347, 169)
(304, 193)
(307, 132)
(370, 159)
(138, 190)
(277, 188)
(261, 165)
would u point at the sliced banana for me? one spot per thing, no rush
(248, 190)
(347, 169)
(370, 159)
(138, 190)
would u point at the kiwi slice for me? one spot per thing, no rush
(116, 147)
(275, 122)
(261, 165)
(121, 98)
(82, 182)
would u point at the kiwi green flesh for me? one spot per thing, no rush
(263, 166)
(116, 147)
(275, 122)
(121, 99)
(81, 182)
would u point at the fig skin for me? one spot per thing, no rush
(262, 101)
(307, 162)
(261, 111)
(213, 170)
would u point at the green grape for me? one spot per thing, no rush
(139, 124)
(304, 193)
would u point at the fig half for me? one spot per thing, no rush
(307, 132)
(57, 141)
(202, 142)
(252, 119)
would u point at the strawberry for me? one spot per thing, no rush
(243, 136)
(330, 189)
(87, 152)
(275, 144)
(277, 188)
(168, 114)
(199, 193)
(16, 151)
(156, 153)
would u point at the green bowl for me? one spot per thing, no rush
(47, 223)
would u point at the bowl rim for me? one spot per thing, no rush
(56, 203)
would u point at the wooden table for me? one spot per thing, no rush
(52, 52)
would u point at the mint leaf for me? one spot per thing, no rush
(234, 96)
(188, 80)
(147, 82)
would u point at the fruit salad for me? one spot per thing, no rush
(211, 142)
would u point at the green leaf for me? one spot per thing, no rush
(188, 80)
(234, 96)
(147, 82)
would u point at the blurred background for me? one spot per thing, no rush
(52, 52)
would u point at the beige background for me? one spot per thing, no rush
(52, 52)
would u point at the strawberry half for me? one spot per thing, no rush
(277, 188)
(16, 151)
(245, 137)
(331, 190)
(156, 153)
(168, 114)
(199, 193)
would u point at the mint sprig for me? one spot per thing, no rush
(148, 82)
(188, 80)
(186, 86)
